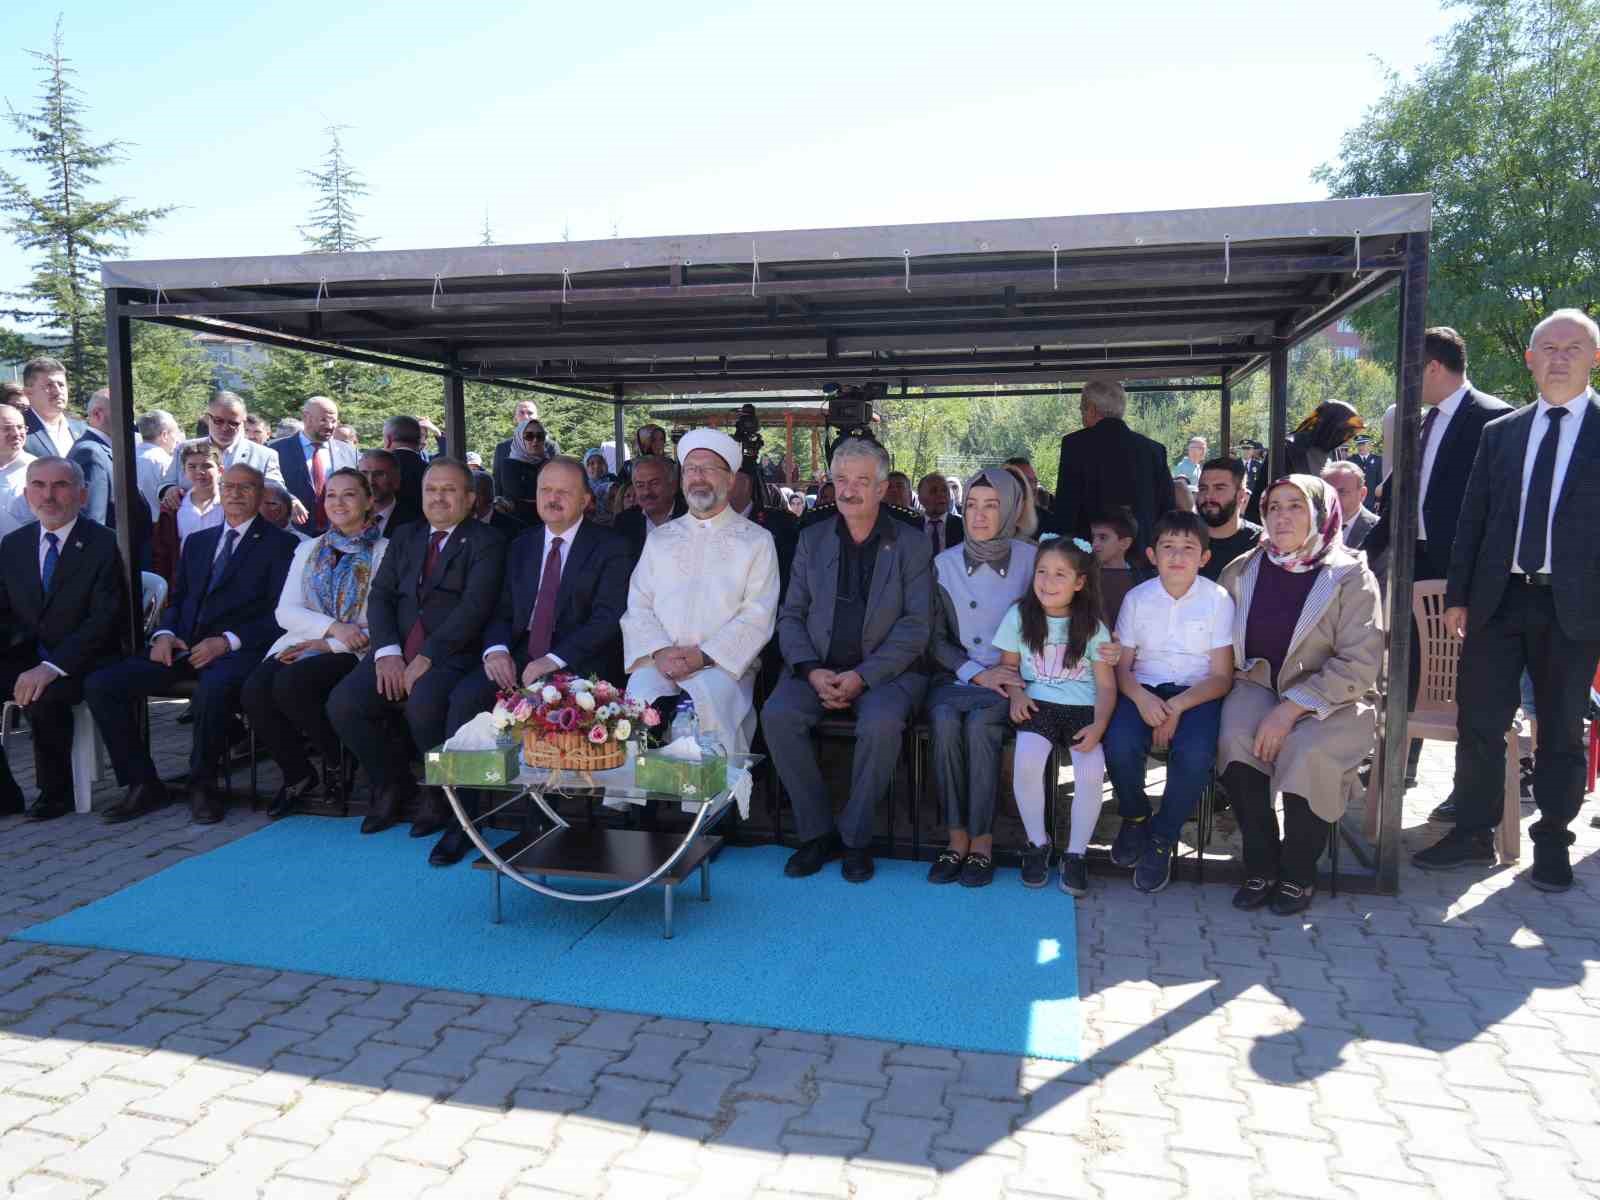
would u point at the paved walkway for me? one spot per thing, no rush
(1445, 1043)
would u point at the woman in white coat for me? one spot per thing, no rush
(323, 613)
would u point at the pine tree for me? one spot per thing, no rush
(487, 237)
(62, 223)
(332, 228)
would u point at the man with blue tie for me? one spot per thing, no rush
(217, 625)
(63, 609)
(307, 459)
(1524, 571)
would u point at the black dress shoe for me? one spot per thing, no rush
(1253, 893)
(204, 807)
(450, 849)
(1291, 898)
(48, 808)
(385, 809)
(288, 797)
(857, 866)
(1552, 868)
(142, 798)
(1457, 849)
(809, 859)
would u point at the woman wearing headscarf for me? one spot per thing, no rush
(323, 613)
(1307, 645)
(1027, 509)
(516, 476)
(977, 582)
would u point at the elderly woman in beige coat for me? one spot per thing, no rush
(1306, 649)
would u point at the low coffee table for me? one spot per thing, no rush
(630, 858)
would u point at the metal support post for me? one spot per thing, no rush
(1225, 434)
(455, 416)
(1278, 403)
(125, 471)
(1405, 479)
(618, 428)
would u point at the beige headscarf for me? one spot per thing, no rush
(997, 549)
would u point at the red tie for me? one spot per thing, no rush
(542, 625)
(418, 634)
(319, 477)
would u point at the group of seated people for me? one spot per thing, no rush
(356, 619)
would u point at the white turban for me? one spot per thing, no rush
(714, 440)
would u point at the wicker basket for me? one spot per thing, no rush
(570, 751)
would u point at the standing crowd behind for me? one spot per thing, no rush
(1198, 613)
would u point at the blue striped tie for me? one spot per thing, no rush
(52, 556)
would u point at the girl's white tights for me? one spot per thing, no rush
(1027, 784)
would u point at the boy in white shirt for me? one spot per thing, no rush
(1177, 665)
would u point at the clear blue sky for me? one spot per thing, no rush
(710, 116)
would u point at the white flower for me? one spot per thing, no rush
(581, 685)
(503, 719)
(622, 731)
(585, 701)
(550, 694)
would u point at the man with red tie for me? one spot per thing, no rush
(307, 459)
(560, 609)
(427, 608)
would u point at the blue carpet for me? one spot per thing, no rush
(990, 969)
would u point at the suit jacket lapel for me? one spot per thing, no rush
(582, 547)
(452, 547)
(1241, 610)
(66, 567)
(1586, 450)
(881, 569)
(246, 543)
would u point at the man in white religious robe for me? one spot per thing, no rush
(703, 601)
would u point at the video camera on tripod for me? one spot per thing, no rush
(849, 412)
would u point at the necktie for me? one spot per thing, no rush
(542, 624)
(1428, 422)
(936, 532)
(52, 556)
(319, 478)
(417, 634)
(219, 568)
(1536, 508)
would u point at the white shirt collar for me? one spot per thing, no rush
(722, 518)
(1577, 402)
(62, 534)
(1448, 406)
(568, 535)
(241, 530)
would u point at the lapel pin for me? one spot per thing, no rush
(77, 545)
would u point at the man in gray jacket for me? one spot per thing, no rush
(854, 631)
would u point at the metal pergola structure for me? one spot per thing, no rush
(1143, 297)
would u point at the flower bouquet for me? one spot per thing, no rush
(571, 723)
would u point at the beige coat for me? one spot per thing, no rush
(1331, 668)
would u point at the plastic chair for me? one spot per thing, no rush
(1434, 716)
(1594, 733)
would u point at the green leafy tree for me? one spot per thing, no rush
(60, 220)
(170, 372)
(1500, 127)
(334, 224)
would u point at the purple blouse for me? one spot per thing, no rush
(1274, 612)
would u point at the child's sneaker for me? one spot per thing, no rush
(1074, 875)
(1154, 871)
(1036, 865)
(1132, 838)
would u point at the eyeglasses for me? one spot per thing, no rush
(700, 471)
(533, 437)
(237, 489)
(225, 422)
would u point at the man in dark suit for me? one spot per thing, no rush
(217, 624)
(307, 459)
(854, 628)
(63, 613)
(560, 609)
(1255, 477)
(944, 527)
(1524, 571)
(92, 454)
(389, 509)
(657, 499)
(51, 432)
(1456, 413)
(1369, 464)
(426, 608)
(1106, 464)
(402, 437)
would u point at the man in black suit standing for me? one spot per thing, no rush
(944, 527)
(560, 609)
(63, 612)
(427, 608)
(1456, 413)
(1524, 570)
(402, 437)
(389, 509)
(51, 432)
(1106, 464)
(217, 624)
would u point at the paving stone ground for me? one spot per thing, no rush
(1442, 1043)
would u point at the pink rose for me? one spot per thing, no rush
(567, 718)
(597, 735)
(523, 709)
(651, 718)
